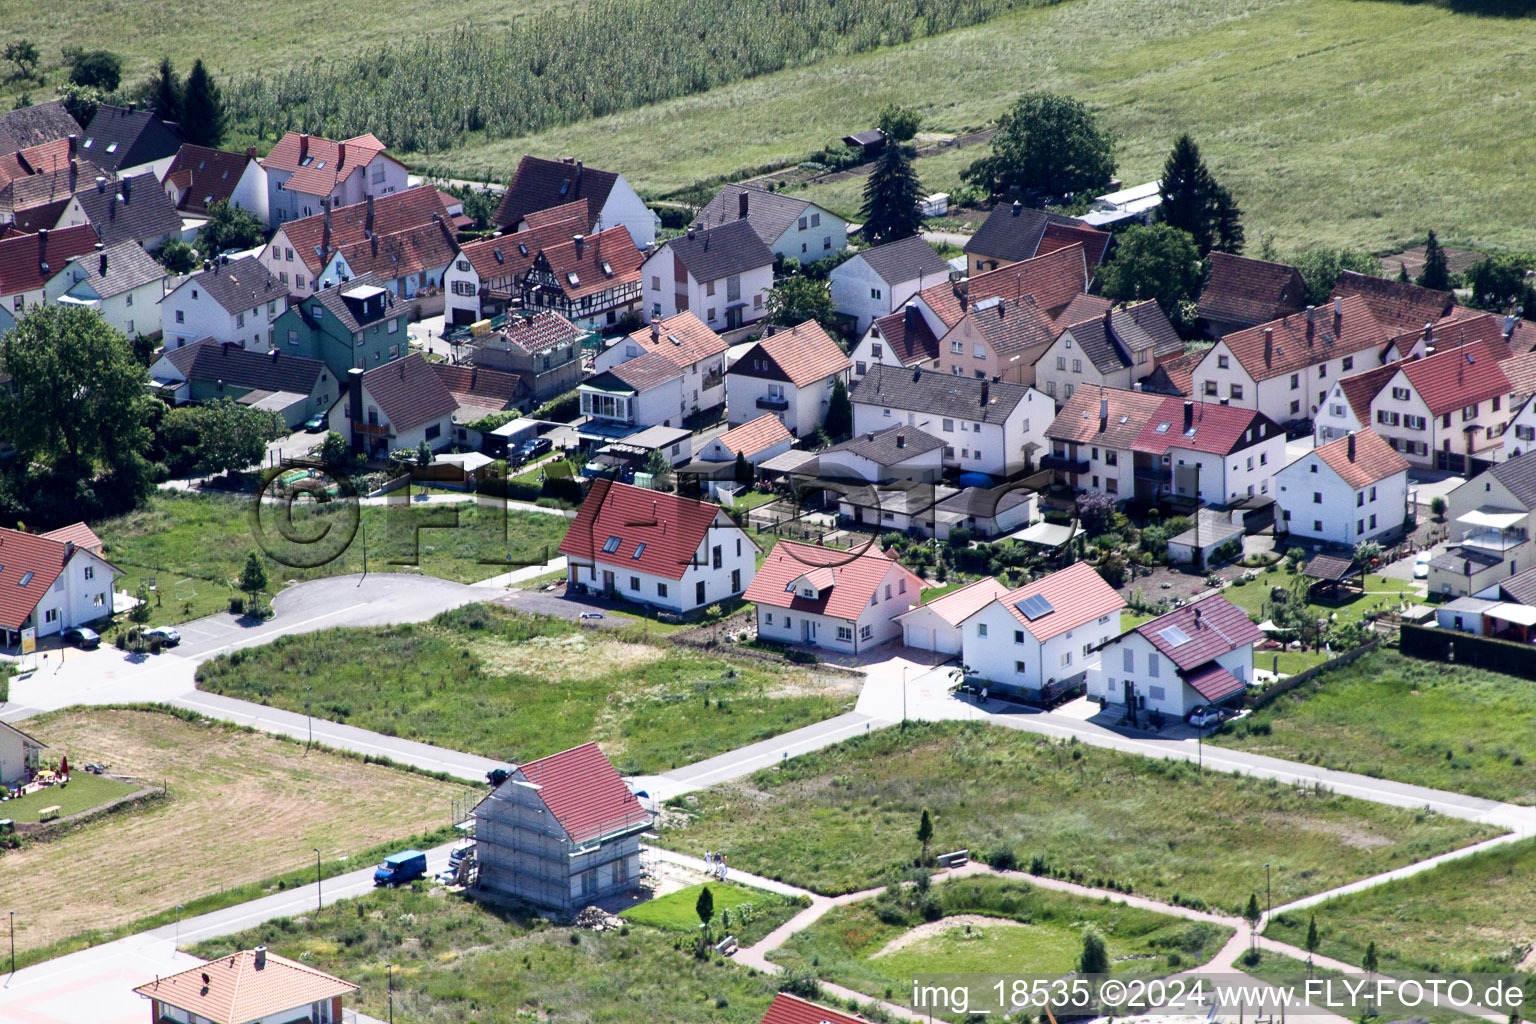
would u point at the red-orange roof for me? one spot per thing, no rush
(958, 605)
(1053, 280)
(648, 531)
(1374, 460)
(1300, 340)
(509, 256)
(1397, 304)
(755, 435)
(1218, 429)
(805, 353)
(602, 261)
(584, 792)
(405, 253)
(683, 339)
(79, 534)
(349, 224)
(1059, 236)
(788, 1009)
(22, 257)
(1127, 413)
(1454, 378)
(854, 578)
(318, 164)
(1077, 594)
(234, 990)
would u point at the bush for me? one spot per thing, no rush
(1004, 859)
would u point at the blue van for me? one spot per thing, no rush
(402, 867)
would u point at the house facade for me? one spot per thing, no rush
(723, 275)
(29, 261)
(838, 600)
(1114, 349)
(399, 405)
(877, 282)
(121, 282)
(686, 342)
(591, 282)
(20, 755)
(307, 174)
(198, 177)
(790, 373)
(312, 250)
(358, 324)
(663, 550)
(793, 228)
(53, 585)
(935, 626)
(208, 370)
(539, 185)
(642, 392)
(544, 347)
(1490, 519)
(249, 987)
(1092, 440)
(235, 301)
(1349, 490)
(1216, 454)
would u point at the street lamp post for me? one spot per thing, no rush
(309, 693)
(1269, 902)
(179, 909)
(13, 942)
(319, 896)
(903, 695)
(391, 994)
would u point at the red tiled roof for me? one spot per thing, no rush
(806, 354)
(1457, 377)
(237, 991)
(203, 176)
(1053, 280)
(1218, 429)
(1077, 594)
(1129, 412)
(1398, 305)
(79, 534)
(1361, 389)
(1223, 628)
(1521, 371)
(907, 332)
(480, 387)
(22, 553)
(788, 1009)
(22, 256)
(608, 259)
(584, 792)
(664, 529)
(1460, 326)
(541, 184)
(1374, 460)
(324, 161)
(405, 253)
(641, 373)
(509, 256)
(683, 339)
(1352, 329)
(958, 605)
(1059, 236)
(411, 208)
(1083, 307)
(854, 579)
(540, 332)
(1176, 374)
(1243, 290)
(575, 216)
(1212, 682)
(39, 159)
(755, 435)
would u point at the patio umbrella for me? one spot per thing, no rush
(64, 766)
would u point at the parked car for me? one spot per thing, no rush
(167, 636)
(316, 424)
(532, 449)
(1421, 566)
(1203, 716)
(402, 867)
(82, 637)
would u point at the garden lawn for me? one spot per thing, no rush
(749, 914)
(1472, 914)
(457, 960)
(1290, 973)
(1451, 727)
(878, 946)
(84, 792)
(516, 687)
(242, 806)
(844, 818)
(205, 539)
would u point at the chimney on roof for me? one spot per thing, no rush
(1338, 306)
(261, 957)
(303, 146)
(1509, 326)
(901, 440)
(655, 330)
(373, 244)
(690, 232)
(341, 154)
(1103, 412)
(1269, 345)
(578, 176)
(1311, 321)
(101, 185)
(274, 355)
(741, 205)
(1017, 206)
(102, 265)
(1429, 334)
(772, 329)
(1351, 446)
(581, 244)
(250, 152)
(127, 189)
(1002, 313)
(69, 549)
(1197, 618)
(72, 140)
(132, 107)
(368, 213)
(42, 241)
(1189, 414)
(986, 393)
(1136, 386)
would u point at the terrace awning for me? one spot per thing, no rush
(1492, 518)
(1519, 614)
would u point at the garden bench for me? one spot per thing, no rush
(955, 859)
(727, 946)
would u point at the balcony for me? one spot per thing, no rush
(1493, 530)
(1064, 464)
(373, 429)
(780, 404)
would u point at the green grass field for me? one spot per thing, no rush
(83, 792)
(749, 914)
(457, 960)
(987, 924)
(1289, 973)
(843, 818)
(1456, 728)
(204, 539)
(1472, 914)
(514, 687)
(1380, 593)
(1318, 113)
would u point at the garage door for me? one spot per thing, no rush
(920, 637)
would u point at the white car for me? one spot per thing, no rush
(1203, 716)
(1421, 566)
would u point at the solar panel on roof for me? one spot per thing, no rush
(1035, 607)
(1174, 635)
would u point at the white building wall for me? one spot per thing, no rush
(1322, 506)
(807, 405)
(737, 554)
(926, 630)
(859, 292)
(824, 235)
(461, 274)
(1164, 691)
(997, 448)
(1010, 655)
(251, 191)
(624, 206)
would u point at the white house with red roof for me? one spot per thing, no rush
(935, 626)
(686, 342)
(560, 832)
(789, 373)
(307, 174)
(1224, 453)
(755, 441)
(1039, 639)
(1344, 492)
(826, 597)
(51, 583)
(659, 549)
(249, 987)
(1199, 654)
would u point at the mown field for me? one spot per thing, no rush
(242, 807)
(1473, 914)
(516, 687)
(1456, 728)
(1330, 119)
(986, 925)
(845, 818)
(749, 914)
(457, 960)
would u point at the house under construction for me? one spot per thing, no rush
(561, 832)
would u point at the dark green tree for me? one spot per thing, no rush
(1095, 956)
(742, 471)
(1230, 236)
(1402, 273)
(794, 300)
(1321, 266)
(899, 123)
(839, 420)
(1046, 143)
(95, 69)
(76, 399)
(1194, 202)
(1437, 274)
(232, 437)
(1499, 283)
(660, 469)
(704, 906)
(229, 227)
(1251, 912)
(177, 257)
(925, 833)
(202, 108)
(23, 101)
(1153, 262)
(24, 55)
(423, 453)
(893, 197)
(333, 450)
(1311, 944)
(253, 578)
(165, 92)
(1371, 963)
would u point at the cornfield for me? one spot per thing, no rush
(426, 95)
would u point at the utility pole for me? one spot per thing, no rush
(391, 994)
(13, 943)
(179, 909)
(1269, 901)
(309, 692)
(319, 896)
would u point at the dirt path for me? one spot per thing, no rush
(928, 929)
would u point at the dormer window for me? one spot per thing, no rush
(610, 545)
